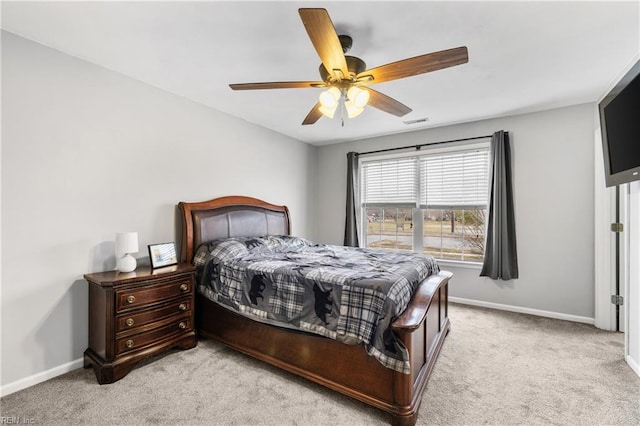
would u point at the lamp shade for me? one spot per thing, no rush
(353, 111)
(330, 97)
(328, 112)
(357, 97)
(126, 242)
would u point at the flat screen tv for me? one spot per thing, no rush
(620, 125)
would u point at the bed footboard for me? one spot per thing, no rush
(422, 328)
(344, 368)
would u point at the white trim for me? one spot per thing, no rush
(633, 364)
(604, 239)
(632, 282)
(459, 264)
(521, 310)
(41, 377)
(625, 245)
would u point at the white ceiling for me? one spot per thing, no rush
(523, 56)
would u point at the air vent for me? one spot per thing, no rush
(419, 120)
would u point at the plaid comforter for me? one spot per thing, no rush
(344, 293)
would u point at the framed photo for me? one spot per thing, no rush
(162, 255)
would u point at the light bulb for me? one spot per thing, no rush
(329, 98)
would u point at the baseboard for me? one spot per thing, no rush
(521, 310)
(41, 377)
(633, 364)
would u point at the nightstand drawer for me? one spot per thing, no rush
(137, 341)
(155, 293)
(147, 318)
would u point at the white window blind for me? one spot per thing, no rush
(445, 180)
(389, 182)
(454, 180)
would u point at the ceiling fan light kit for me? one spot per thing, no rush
(345, 77)
(354, 100)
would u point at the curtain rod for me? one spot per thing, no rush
(417, 147)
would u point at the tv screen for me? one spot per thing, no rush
(620, 124)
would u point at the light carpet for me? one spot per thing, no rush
(495, 368)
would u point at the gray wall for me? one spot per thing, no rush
(86, 153)
(553, 162)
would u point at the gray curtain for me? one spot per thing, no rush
(353, 204)
(500, 254)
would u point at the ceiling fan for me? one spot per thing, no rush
(346, 77)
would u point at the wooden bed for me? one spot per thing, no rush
(344, 368)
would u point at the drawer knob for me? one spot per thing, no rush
(129, 322)
(182, 307)
(184, 287)
(129, 343)
(182, 325)
(131, 299)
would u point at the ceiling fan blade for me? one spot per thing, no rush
(414, 66)
(324, 38)
(278, 85)
(313, 116)
(386, 103)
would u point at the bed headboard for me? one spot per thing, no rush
(232, 216)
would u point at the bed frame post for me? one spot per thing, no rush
(186, 250)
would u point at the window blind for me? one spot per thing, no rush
(389, 182)
(446, 180)
(454, 180)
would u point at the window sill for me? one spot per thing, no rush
(460, 264)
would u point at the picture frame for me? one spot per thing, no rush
(163, 254)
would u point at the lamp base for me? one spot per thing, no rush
(127, 263)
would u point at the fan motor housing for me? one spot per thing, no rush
(354, 64)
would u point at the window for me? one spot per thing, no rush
(434, 201)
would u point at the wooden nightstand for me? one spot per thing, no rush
(134, 315)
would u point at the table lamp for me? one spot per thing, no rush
(126, 243)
